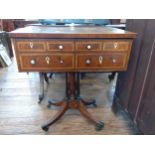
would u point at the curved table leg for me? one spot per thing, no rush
(50, 103)
(91, 102)
(73, 101)
(58, 115)
(85, 113)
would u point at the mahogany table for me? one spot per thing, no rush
(72, 50)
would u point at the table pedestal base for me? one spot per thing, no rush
(73, 101)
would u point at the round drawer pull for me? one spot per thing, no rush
(89, 47)
(60, 47)
(61, 61)
(33, 62)
(47, 59)
(31, 45)
(114, 61)
(88, 61)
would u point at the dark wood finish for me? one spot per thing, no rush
(20, 23)
(58, 115)
(88, 45)
(1, 25)
(104, 61)
(135, 88)
(141, 68)
(48, 62)
(124, 88)
(74, 101)
(8, 25)
(60, 45)
(146, 112)
(117, 45)
(30, 46)
(61, 49)
(12, 24)
(98, 59)
(70, 32)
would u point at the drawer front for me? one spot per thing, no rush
(30, 46)
(115, 45)
(88, 45)
(106, 61)
(37, 62)
(60, 46)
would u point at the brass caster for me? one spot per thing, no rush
(99, 126)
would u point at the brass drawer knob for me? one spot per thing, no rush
(88, 61)
(47, 59)
(100, 59)
(33, 62)
(31, 45)
(89, 47)
(60, 47)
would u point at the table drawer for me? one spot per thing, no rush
(88, 45)
(107, 61)
(115, 45)
(46, 61)
(58, 45)
(30, 45)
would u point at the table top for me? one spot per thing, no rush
(70, 32)
(116, 25)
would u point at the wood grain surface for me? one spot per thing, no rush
(70, 32)
(21, 114)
